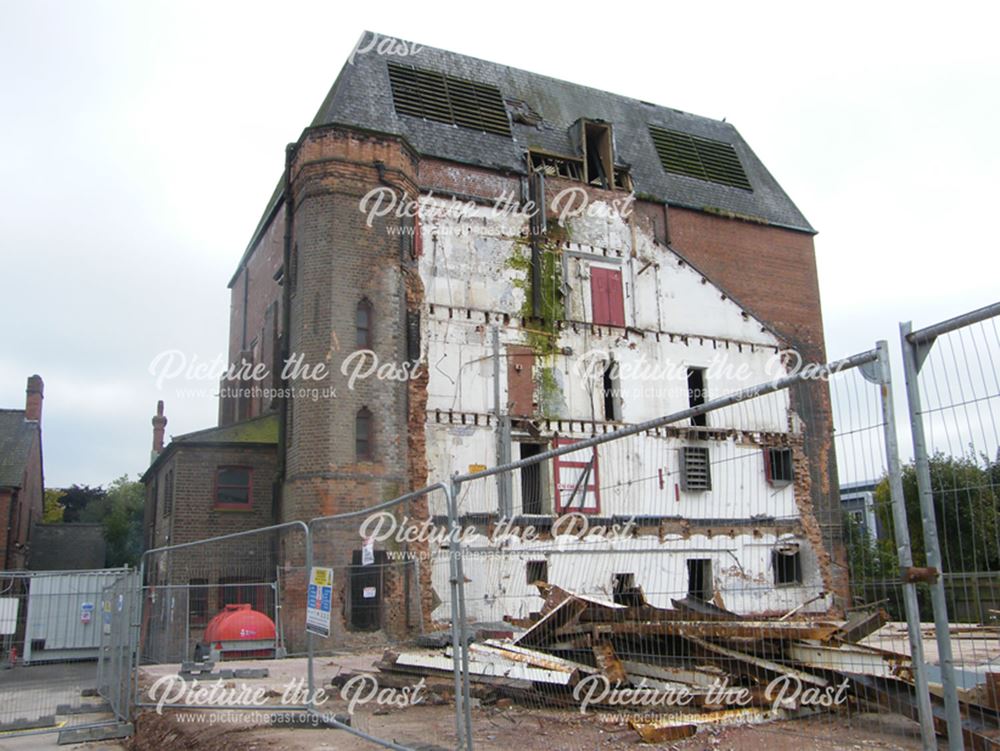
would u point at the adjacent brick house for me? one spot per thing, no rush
(694, 249)
(22, 482)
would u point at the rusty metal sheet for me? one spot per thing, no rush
(787, 630)
(852, 658)
(758, 662)
(651, 732)
(609, 663)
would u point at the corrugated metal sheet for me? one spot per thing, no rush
(57, 624)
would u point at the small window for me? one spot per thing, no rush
(600, 160)
(552, 165)
(700, 579)
(363, 435)
(606, 299)
(787, 567)
(778, 466)
(537, 571)
(233, 487)
(696, 394)
(198, 600)
(168, 493)
(363, 324)
(240, 590)
(696, 471)
(609, 388)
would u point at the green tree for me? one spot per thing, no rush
(966, 503)
(869, 559)
(53, 510)
(120, 512)
(76, 499)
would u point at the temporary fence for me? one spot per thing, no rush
(760, 555)
(953, 388)
(50, 634)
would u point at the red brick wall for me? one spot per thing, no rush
(769, 270)
(6, 497)
(261, 313)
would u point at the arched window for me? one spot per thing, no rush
(363, 324)
(363, 448)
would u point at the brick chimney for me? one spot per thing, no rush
(159, 423)
(33, 401)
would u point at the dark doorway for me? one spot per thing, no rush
(700, 579)
(696, 394)
(532, 489)
(366, 590)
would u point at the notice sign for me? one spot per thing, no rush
(320, 600)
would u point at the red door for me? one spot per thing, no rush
(607, 300)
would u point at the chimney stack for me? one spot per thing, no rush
(33, 401)
(159, 423)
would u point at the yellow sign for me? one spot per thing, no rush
(473, 468)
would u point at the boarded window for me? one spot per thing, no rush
(696, 472)
(607, 300)
(168, 493)
(363, 325)
(520, 381)
(778, 466)
(233, 487)
(577, 480)
(363, 449)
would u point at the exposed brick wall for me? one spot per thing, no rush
(772, 271)
(7, 497)
(20, 508)
(340, 260)
(260, 314)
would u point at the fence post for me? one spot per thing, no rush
(459, 640)
(911, 367)
(903, 550)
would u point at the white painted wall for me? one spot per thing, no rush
(679, 319)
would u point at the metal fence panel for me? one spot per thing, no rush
(953, 394)
(50, 636)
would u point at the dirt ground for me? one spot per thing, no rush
(431, 726)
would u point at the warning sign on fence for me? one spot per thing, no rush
(320, 600)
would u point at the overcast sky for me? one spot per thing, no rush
(142, 140)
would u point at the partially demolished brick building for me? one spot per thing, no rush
(401, 251)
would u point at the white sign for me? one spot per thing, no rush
(86, 612)
(320, 601)
(368, 552)
(8, 615)
(368, 593)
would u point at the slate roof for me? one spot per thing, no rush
(361, 96)
(256, 431)
(16, 438)
(263, 429)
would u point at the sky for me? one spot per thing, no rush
(141, 142)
